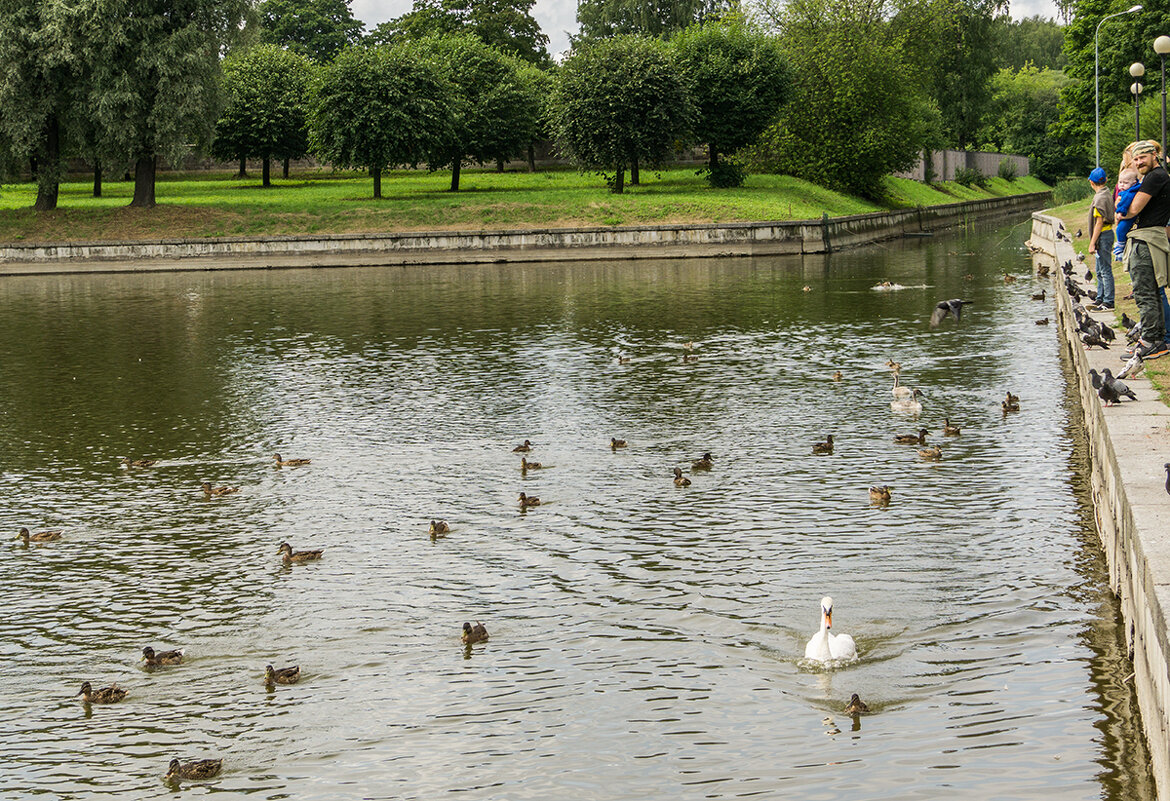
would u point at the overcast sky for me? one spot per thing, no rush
(558, 18)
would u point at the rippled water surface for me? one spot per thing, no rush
(646, 639)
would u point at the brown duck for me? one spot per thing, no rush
(290, 556)
(41, 536)
(161, 658)
(288, 675)
(200, 769)
(474, 633)
(280, 462)
(106, 695)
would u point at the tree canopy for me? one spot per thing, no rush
(600, 19)
(1025, 107)
(378, 107)
(266, 112)
(618, 102)
(317, 29)
(507, 25)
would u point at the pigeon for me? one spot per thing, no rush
(945, 307)
(1079, 234)
(1108, 394)
(1167, 466)
(1134, 333)
(1088, 275)
(1092, 339)
(1119, 387)
(1126, 322)
(1096, 378)
(1132, 366)
(1067, 267)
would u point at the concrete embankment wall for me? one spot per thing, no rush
(1128, 444)
(461, 247)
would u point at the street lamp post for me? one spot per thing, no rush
(1162, 47)
(1137, 70)
(1097, 79)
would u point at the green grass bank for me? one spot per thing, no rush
(326, 202)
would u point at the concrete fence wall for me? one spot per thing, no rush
(945, 162)
(552, 244)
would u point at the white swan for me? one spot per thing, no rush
(824, 646)
(901, 392)
(909, 403)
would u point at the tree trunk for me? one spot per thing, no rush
(377, 173)
(619, 180)
(284, 173)
(144, 182)
(499, 165)
(32, 167)
(243, 173)
(97, 178)
(634, 181)
(48, 183)
(714, 153)
(455, 175)
(266, 179)
(531, 158)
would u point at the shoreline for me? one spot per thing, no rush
(791, 237)
(1128, 444)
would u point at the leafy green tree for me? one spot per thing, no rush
(620, 102)
(507, 25)
(540, 87)
(600, 19)
(737, 79)
(156, 77)
(1034, 40)
(379, 107)
(1024, 109)
(855, 114)
(317, 29)
(266, 114)
(40, 68)
(494, 110)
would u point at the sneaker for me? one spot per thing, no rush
(1152, 350)
(1096, 307)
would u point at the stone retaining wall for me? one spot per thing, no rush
(461, 247)
(1128, 444)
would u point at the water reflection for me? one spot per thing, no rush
(644, 636)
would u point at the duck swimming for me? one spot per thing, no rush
(617, 443)
(526, 465)
(162, 658)
(41, 536)
(523, 447)
(704, 462)
(290, 556)
(931, 453)
(439, 527)
(910, 404)
(200, 769)
(216, 491)
(948, 429)
(824, 647)
(288, 675)
(879, 493)
(856, 706)
(289, 462)
(527, 501)
(1011, 403)
(680, 480)
(824, 447)
(912, 439)
(128, 462)
(473, 634)
(106, 695)
(898, 390)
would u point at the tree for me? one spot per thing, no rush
(737, 79)
(1025, 106)
(378, 107)
(40, 67)
(600, 19)
(156, 77)
(856, 113)
(317, 29)
(266, 113)
(1034, 40)
(619, 102)
(507, 25)
(493, 107)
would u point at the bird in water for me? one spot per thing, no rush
(161, 658)
(1042, 321)
(910, 404)
(523, 447)
(439, 527)
(105, 695)
(280, 462)
(945, 307)
(298, 557)
(856, 706)
(837, 376)
(200, 769)
(824, 447)
(41, 536)
(1011, 403)
(825, 646)
(950, 430)
(128, 462)
(912, 439)
(474, 633)
(217, 491)
(526, 465)
(934, 453)
(287, 675)
(704, 462)
(614, 444)
(895, 366)
(527, 501)
(1009, 279)
(1041, 295)
(879, 493)
(898, 390)
(679, 479)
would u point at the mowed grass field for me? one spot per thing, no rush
(327, 202)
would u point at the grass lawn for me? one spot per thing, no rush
(322, 201)
(1075, 215)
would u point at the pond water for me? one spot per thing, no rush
(647, 640)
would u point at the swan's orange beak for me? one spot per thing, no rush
(828, 620)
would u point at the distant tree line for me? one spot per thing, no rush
(839, 92)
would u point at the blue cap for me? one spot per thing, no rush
(1097, 176)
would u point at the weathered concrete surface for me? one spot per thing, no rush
(1128, 444)
(486, 247)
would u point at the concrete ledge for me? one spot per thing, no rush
(1128, 444)
(546, 244)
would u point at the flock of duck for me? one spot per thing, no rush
(151, 659)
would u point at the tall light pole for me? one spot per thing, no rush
(1162, 47)
(1097, 79)
(1137, 70)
